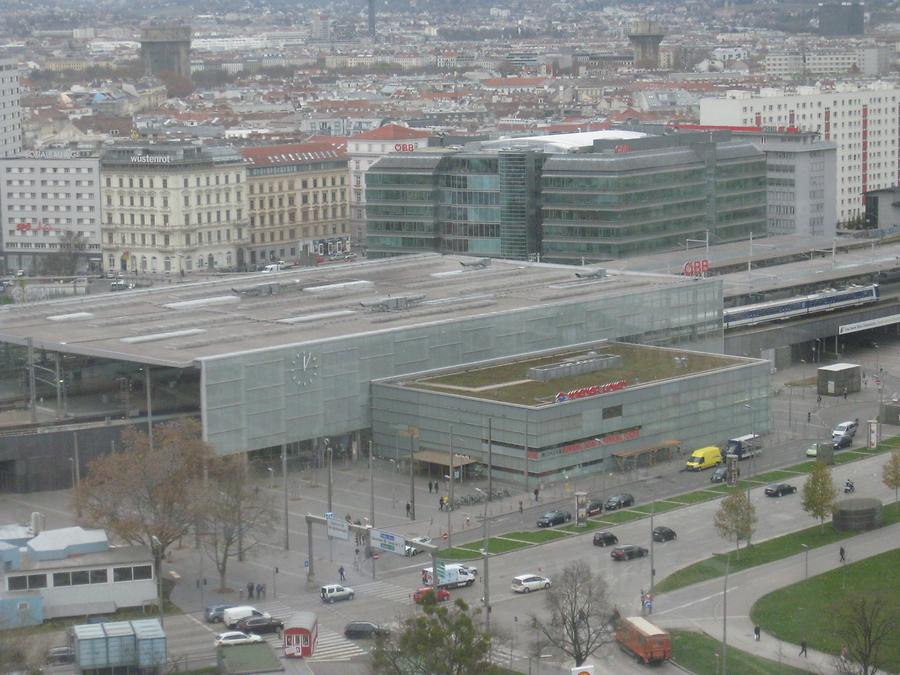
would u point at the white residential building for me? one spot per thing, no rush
(363, 151)
(10, 113)
(50, 204)
(868, 60)
(862, 119)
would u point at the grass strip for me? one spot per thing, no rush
(459, 553)
(538, 537)
(780, 475)
(658, 507)
(813, 610)
(617, 517)
(697, 653)
(587, 527)
(697, 496)
(765, 552)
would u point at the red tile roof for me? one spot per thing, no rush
(391, 132)
(295, 153)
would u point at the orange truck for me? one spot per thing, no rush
(643, 640)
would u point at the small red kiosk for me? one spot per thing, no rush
(300, 634)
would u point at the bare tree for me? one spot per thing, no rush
(865, 625)
(581, 613)
(736, 518)
(147, 495)
(237, 515)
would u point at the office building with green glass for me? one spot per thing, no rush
(568, 198)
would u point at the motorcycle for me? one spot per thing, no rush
(849, 487)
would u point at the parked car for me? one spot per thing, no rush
(214, 613)
(420, 594)
(628, 552)
(594, 507)
(848, 428)
(664, 534)
(333, 592)
(813, 450)
(364, 629)
(411, 549)
(719, 475)
(844, 441)
(619, 501)
(236, 637)
(779, 489)
(605, 539)
(60, 656)
(525, 583)
(260, 624)
(554, 518)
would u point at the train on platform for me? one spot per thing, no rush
(798, 306)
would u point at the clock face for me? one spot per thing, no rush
(304, 367)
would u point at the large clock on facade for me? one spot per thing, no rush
(304, 367)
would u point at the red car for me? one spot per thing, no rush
(442, 594)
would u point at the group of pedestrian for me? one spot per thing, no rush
(432, 487)
(259, 589)
(443, 503)
(646, 602)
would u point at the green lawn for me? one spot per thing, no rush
(590, 525)
(501, 545)
(724, 488)
(760, 554)
(778, 476)
(459, 553)
(812, 610)
(538, 536)
(697, 653)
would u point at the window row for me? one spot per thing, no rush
(29, 582)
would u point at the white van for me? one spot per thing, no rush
(274, 267)
(232, 615)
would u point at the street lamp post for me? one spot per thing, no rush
(330, 452)
(487, 576)
(805, 560)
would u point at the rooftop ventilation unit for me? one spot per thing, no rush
(392, 303)
(480, 263)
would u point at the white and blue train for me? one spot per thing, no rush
(775, 310)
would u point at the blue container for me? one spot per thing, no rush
(90, 646)
(121, 649)
(151, 643)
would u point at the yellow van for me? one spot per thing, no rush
(704, 458)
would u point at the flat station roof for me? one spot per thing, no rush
(180, 324)
(852, 257)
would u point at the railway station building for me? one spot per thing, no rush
(288, 360)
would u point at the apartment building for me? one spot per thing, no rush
(50, 204)
(863, 120)
(868, 60)
(297, 201)
(10, 113)
(173, 207)
(366, 148)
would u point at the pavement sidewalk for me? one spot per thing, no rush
(700, 606)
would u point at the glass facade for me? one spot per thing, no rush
(250, 400)
(567, 207)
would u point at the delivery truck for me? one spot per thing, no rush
(743, 447)
(454, 576)
(646, 642)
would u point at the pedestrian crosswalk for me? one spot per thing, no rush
(276, 609)
(335, 647)
(385, 591)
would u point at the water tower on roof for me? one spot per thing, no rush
(645, 37)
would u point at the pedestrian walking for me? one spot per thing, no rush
(259, 592)
(341, 574)
(845, 393)
(408, 509)
(809, 417)
(250, 587)
(819, 400)
(803, 649)
(843, 554)
(756, 632)
(536, 493)
(429, 487)
(441, 503)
